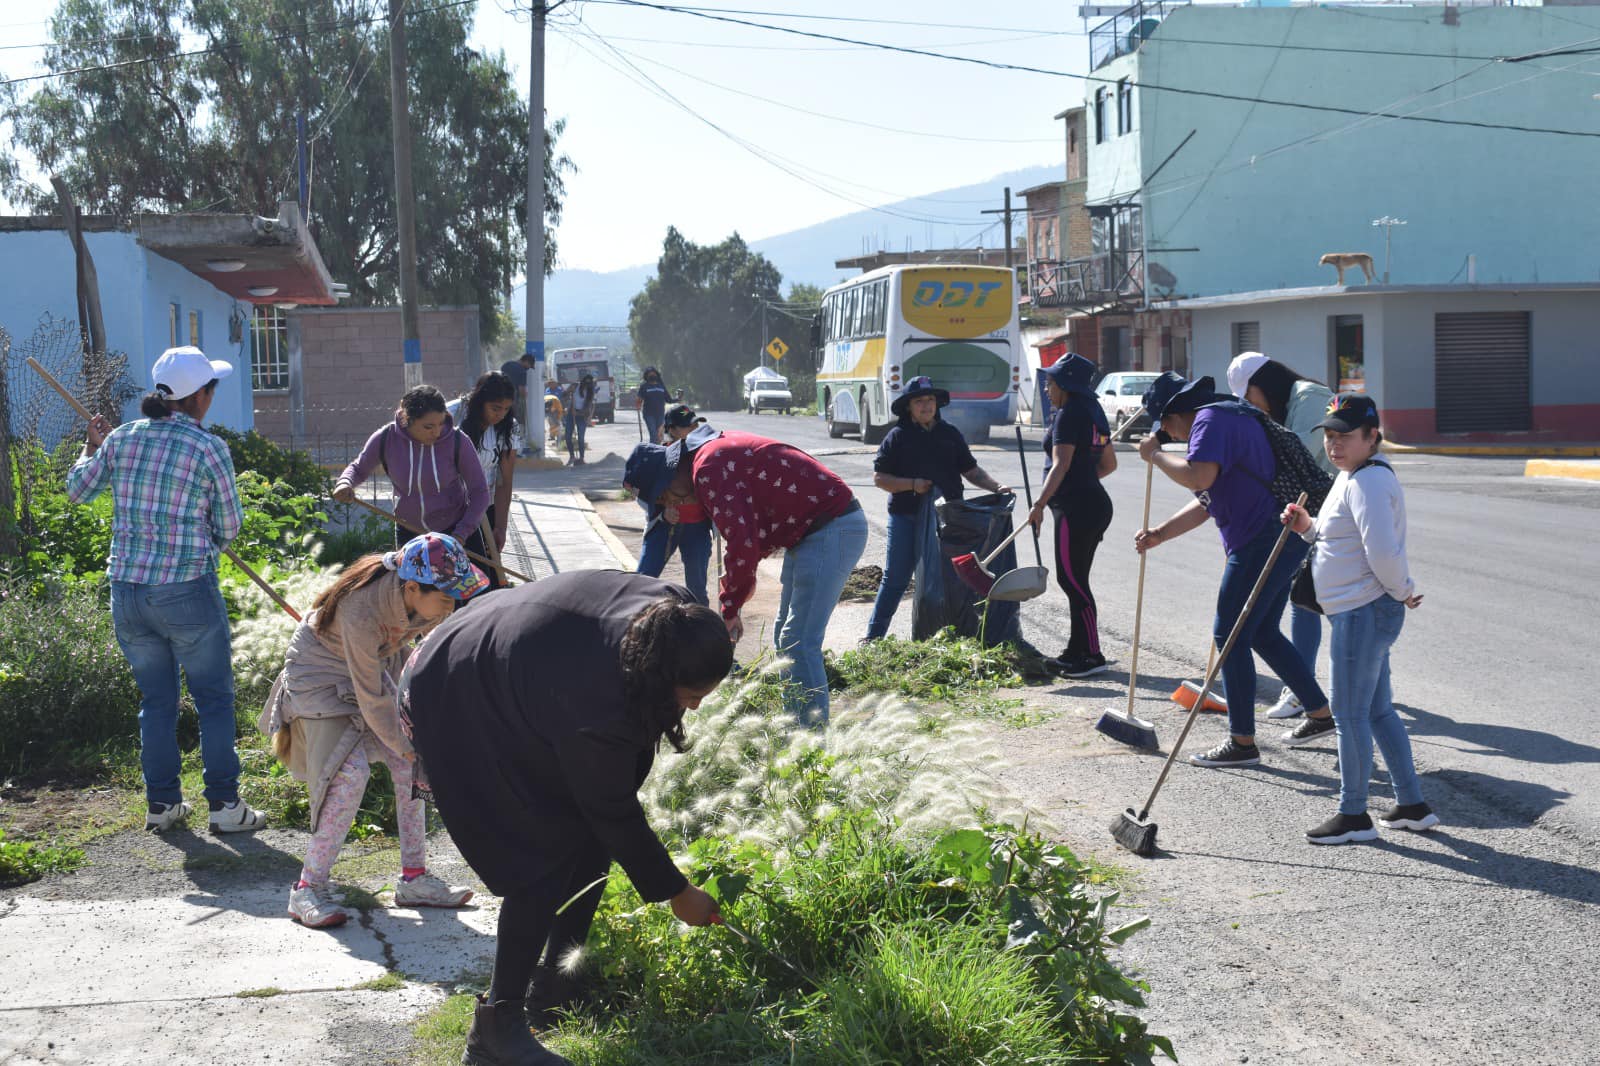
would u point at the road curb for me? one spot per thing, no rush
(1559, 468)
(619, 550)
(1503, 451)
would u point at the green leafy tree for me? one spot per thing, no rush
(141, 127)
(699, 318)
(791, 320)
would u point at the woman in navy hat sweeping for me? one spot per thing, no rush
(921, 457)
(1079, 446)
(687, 531)
(1229, 466)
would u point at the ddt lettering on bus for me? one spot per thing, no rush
(953, 294)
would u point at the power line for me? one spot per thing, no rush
(1090, 78)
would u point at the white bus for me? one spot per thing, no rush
(955, 324)
(568, 365)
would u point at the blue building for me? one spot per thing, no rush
(166, 280)
(1230, 147)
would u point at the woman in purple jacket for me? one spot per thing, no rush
(438, 481)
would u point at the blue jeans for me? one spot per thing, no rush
(1260, 633)
(905, 548)
(162, 628)
(814, 573)
(1305, 632)
(1362, 703)
(691, 540)
(652, 426)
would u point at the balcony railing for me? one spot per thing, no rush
(1124, 32)
(1108, 279)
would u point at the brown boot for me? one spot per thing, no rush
(499, 1037)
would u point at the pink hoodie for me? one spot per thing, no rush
(431, 493)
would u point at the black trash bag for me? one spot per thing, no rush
(974, 526)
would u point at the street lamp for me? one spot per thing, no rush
(761, 359)
(1388, 225)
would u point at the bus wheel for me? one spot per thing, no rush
(870, 434)
(835, 430)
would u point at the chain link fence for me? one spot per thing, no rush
(40, 434)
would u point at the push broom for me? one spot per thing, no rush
(83, 413)
(1135, 831)
(1123, 725)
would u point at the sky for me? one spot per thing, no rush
(883, 127)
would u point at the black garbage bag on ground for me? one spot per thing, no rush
(975, 526)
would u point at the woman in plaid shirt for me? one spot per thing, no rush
(176, 508)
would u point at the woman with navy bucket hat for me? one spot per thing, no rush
(1229, 466)
(921, 457)
(688, 532)
(1078, 444)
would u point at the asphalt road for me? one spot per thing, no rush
(1474, 943)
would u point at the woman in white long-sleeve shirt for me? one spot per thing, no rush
(1359, 569)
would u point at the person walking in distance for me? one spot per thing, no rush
(488, 417)
(438, 481)
(765, 496)
(1078, 443)
(535, 723)
(921, 457)
(332, 711)
(580, 408)
(1298, 404)
(652, 403)
(1228, 466)
(1358, 567)
(175, 507)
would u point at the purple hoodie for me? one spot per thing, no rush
(430, 492)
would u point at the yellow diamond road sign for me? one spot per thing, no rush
(777, 349)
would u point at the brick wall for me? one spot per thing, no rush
(347, 375)
(1075, 220)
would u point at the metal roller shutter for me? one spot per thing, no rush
(1480, 372)
(1246, 337)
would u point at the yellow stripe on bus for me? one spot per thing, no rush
(870, 365)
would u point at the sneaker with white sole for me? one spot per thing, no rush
(1308, 730)
(237, 817)
(1288, 706)
(313, 906)
(426, 890)
(1343, 829)
(1229, 753)
(1418, 817)
(163, 816)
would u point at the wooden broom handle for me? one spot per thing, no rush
(390, 516)
(1138, 602)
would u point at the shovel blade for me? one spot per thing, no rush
(1023, 583)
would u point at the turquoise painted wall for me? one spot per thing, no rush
(37, 278)
(1263, 191)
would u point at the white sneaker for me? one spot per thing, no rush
(173, 814)
(313, 907)
(1288, 706)
(237, 817)
(427, 890)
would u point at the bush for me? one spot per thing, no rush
(64, 684)
(253, 452)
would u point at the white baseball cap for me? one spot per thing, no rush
(184, 371)
(1242, 369)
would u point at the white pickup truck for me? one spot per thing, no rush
(766, 389)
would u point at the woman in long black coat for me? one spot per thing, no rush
(536, 720)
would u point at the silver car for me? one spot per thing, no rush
(1122, 395)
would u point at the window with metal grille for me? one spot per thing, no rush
(1481, 371)
(269, 348)
(1100, 116)
(1246, 337)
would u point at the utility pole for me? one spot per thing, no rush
(1388, 225)
(405, 199)
(1006, 211)
(534, 308)
(761, 345)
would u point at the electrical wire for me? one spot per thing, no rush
(1093, 79)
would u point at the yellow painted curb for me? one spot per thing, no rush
(1557, 468)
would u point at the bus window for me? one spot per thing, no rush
(882, 323)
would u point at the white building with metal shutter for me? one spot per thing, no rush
(1445, 363)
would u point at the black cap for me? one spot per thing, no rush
(1173, 394)
(681, 416)
(1349, 412)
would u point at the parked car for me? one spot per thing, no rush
(766, 389)
(1122, 395)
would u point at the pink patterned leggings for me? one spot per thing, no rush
(343, 799)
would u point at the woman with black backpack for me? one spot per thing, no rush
(1231, 467)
